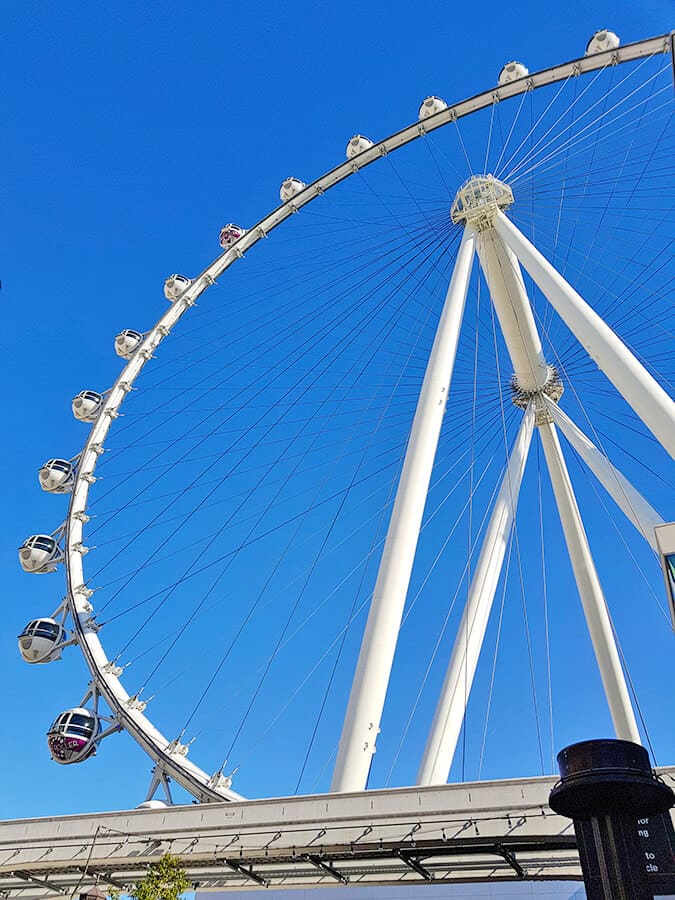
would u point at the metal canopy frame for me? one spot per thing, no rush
(500, 830)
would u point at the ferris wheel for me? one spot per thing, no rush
(316, 508)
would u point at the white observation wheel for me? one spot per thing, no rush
(481, 212)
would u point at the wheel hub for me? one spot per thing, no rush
(552, 388)
(479, 200)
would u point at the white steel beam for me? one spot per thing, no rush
(129, 711)
(447, 724)
(511, 303)
(369, 688)
(590, 590)
(643, 516)
(651, 403)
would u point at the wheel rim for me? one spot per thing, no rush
(166, 753)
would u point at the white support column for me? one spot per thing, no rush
(509, 297)
(643, 516)
(369, 688)
(590, 590)
(447, 724)
(631, 379)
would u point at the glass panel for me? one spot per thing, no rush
(47, 629)
(670, 565)
(80, 731)
(86, 722)
(44, 544)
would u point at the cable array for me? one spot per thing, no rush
(243, 497)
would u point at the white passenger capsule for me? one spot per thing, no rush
(72, 736)
(430, 107)
(602, 40)
(152, 804)
(174, 286)
(127, 343)
(230, 234)
(40, 553)
(512, 71)
(290, 188)
(57, 476)
(40, 641)
(357, 145)
(87, 405)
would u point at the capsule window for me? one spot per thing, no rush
(44, 629)
(43, 543)
(81, 725)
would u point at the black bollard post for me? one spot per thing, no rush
(620, 811)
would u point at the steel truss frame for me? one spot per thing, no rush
(501, 248)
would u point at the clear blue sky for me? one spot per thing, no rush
(131, 133)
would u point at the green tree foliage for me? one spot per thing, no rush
(165, 880)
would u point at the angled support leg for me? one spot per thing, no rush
(590, 590)
(447, 724)
(369, 688)
(643, 516)
(651, 403)
(159, 779)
